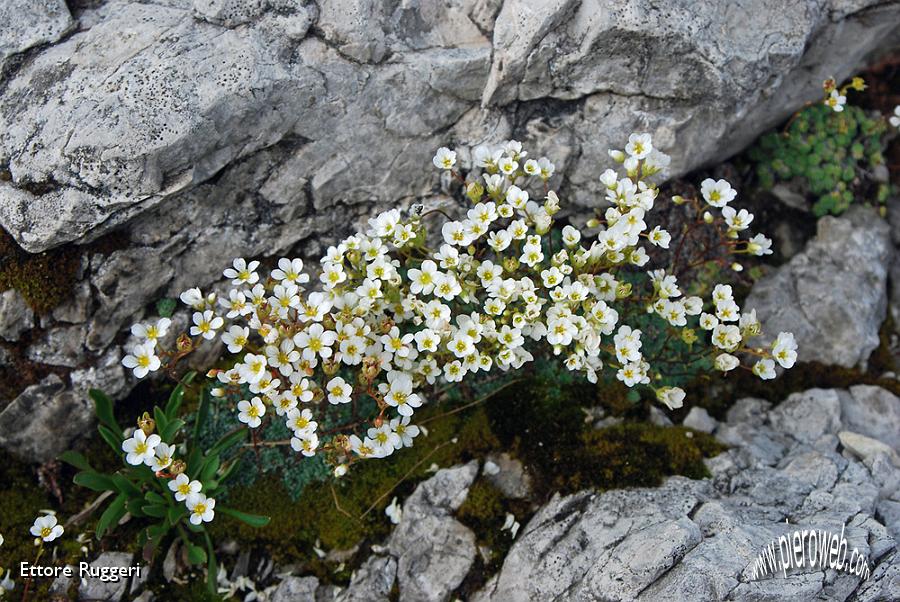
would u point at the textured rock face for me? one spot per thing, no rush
(833, 295)
(692, 540)
(210, 129)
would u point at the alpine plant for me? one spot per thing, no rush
(418, 299)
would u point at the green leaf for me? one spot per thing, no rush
(175, 514)
(111, 516)
(158, 531)
(75, 459)
(135, 507)
(161, 420)
(104, 407)
(209, 469)
(193, 461)
(202, 413)
(95, 481)
(254, 520)
(172, 428)
(228, 441)
(212, 570)
(155, 498)
(177, 395)
(124, 485)
(111, 438)
(195, 554)
(155, 510)
(166, 306)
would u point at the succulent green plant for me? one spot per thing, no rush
(831, 155)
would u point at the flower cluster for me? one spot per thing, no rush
(894, 119)
(147, 448)
(836, 98)
(395, 309)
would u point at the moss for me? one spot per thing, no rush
(341, 513)
(46, 279)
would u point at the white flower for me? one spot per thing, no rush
(301, 422)
(737, 220)
(152, 332)
(193, 298)
(251, 412)
(444, 158)
(406, 431)
(236, 338)
(291, 271)
(717, 193)
(140, 448)
(784, 350)
(202, 508)
(162, 457)
(673, 397)
(836, 101)
(759, 245)
(242, 272)
(639, 145)
(726, 362)
(253, 368)
(511, 525)
(338, 390)
(46, 528)
(182, 487)
(142, 360)
(765, 369)
(400, 393)
(205, 324)
(306, 444)
(894, 119)
(315, 340)
(659, 237)
(394, 512)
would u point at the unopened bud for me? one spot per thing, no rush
(708, 217)
(678, 199)
(183, 343)
(146, 424)
(330, 367)
(623, 290)
(474, 191)
(177, 467)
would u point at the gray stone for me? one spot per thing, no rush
(833, 295)
(93, 588)
(44, 420)
(62, 584)
(700, 420)
(874, 412)
(62, 346)
(658, 417)
(434, 551)
(372, 582)
(866, 448)
(510, 478)
(690, 540)
(15, 315)
(25, 24)
(296, 589)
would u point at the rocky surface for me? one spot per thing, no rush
(94, 589)
(833, 295)
(211, 129)
(699, 539)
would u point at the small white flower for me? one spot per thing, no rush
(765, 369)
(140, 448)
(639, 145)
(784, 350)
(894, 119)
(717, 193)
(836, 101)
(338, 391)
(673, 397)
(444, 158)
(242, 272)
(142, 360)
(152, 332)
(394, 512)
(46, 528)
(205, 324)
(251, 412)
(162, 457)
(202, 508)
(182, 487)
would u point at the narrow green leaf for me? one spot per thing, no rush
(209, 469)
(172, 428)
(175, 513)
(111, 438)
(212, 569)
(254, 520)
(202, 412)
(177, 395)
(95, 481)
(103, 406)
(228, 441)
(111, 516)
(156, 532)
(155, 498)
(135, 507)
(75, 459)
(193, 461)
(123, 485)
(155, 510)
(196, 554)
(161, 420)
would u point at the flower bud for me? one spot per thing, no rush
(689, 336)
(340, 471)
(370, 368)
(828, 85)
(474, 190)
(510, 264)
(623, 290)
(617, 155)
(183, 343)
(593, 222)
(858, 84)
(177, 467)
(146, 424)
(330, 367)
(678, 199)
(708, 217)
(737, 267)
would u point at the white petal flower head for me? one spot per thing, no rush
(46, 528)
(142, 359)
(152, 332)
(894, 119)
(182, 487)
(444, 158)
(639, 146)
(305, 444)
(162, 457)
(725, 362)
(140, 448)
(205, 324)
(236, 338)
(242, 272)
(673, 397)
(765, 369)
(202, 508)
(291, 271)
(339, 391)
(784, 350)
(394, 512)
(251, 412)
(717, 193)
(193, 298)
(836, 101)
